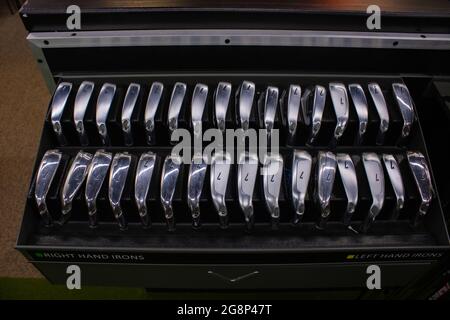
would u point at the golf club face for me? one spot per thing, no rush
(247, 171)
(198, 103)
(142, 182)
(325, 175)
(153, 102)
(375, 178)
(196, 178)
(270, 107)
(293, 107)
(58, 105)
(339, 98)
(246, 95)
(406, 106)
(362, 109)
(104, 102)
(272, 172)
(73, 181)
(393, 170)
(421, 173)
(313, 105)
(117, 179)
(127, 111)
(96, 175)
(349, 180)
(169, 178)
(301, 172)
(380, 105)
(175, 104)
(220, 171)
(221, 103)
(46, 173)
(82, 99)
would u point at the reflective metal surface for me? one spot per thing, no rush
(422, 176)
(380, 105)
(339, 98)
(169, 179)
(46, 173)
(393, 170)
(104, 102)
(293, 107)
(221, 102)
(246, 94)
(153, 102)
(196, 178)
(198, 103)
(97, 172)
(361, 107)
(325, 175)
(301, 172)
(272, 171)
(270, 107)
(375, 177)
(247, 171)
(117, 180)
(313, 104)
(175, 104)
(220, 170)
(73, 181)
(127, 111)
(349, 180)
(57, 107)
(142, 182)
(82, 99)
(406, 105)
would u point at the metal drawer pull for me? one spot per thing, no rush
(129, 104)
(325, 175)
(58, 105)
(247, 171)
(46, 173)
(97, 172)
(104, 102)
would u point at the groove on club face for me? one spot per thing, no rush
(196, 178)
(104, 102)
(46, 173)
(339, 97)
(127, 111)
(175, 104)
(73, 182)
(422, 177)
(82, 99)
(117, 179)
(325, 175)
(293, 107)
(198, 104)
(247, 171)
(380, 104)
(301, 172)
(142, 182)
(375, 177)
(57, 107)
(393, 170)
(313, 105)
(96, 175)
(272, 171)
(169, 179)
(349, 180)
(245, 95)
(220, 171)
(151, 107)
(362, 109)
(221, 102)
(406, 106)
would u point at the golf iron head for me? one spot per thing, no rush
(393, 170)
(244, 103)
(128, 106)
(221, 102)
(272, 172)
(117, 179)
(348, 176)
(220, 171)
(362, 110)
(58, 104)
(142, 182)
(169, 180)
(82, 99)
(339, 97)
(313, 105)
(406, 106)
(382, 110)
(196, 178)
(104, 102)
(151, 107)
(247, 171)
(325, 175)
(175, 104)
(301, 172)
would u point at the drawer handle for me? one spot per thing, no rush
(245, 276)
